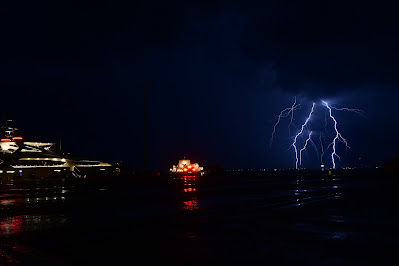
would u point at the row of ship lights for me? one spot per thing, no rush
(14, 138)
(190, 167)
(47, 159)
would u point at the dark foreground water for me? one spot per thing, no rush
(225, 221)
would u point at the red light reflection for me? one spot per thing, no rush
(11, 225)
(190, 205)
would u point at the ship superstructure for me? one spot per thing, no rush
(27, 159)
(185, 167)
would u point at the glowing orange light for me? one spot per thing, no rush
(14, 138)
(194, 170)
(189, 167)
(5, 140)
(185, 169)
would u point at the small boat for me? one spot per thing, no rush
(186, 168)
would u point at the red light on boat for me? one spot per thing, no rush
(185, 169)
(194, 169)
(5, 140)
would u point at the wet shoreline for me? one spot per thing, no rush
(297, 220)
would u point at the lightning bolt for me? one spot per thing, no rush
(315, 147)
(298, 134)
(322, 149)
(358, 111)
(325, 146)
(338, 135)
(304, 147)
(289, 111)
(293, 107)
(322, 143)
(313, 143)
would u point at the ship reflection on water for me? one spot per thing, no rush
(11, 225)
(190, 196)
(190, 205)
(235, 220)
(23, 206)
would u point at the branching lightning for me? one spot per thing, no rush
(306, 127)
(322, 149)
(293, 107)
(315, 147)
(289, 111)
(338, 135)
(304, 147)
(358, 111)
(298, 134)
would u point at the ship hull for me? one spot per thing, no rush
(11, 173)
(187, 174)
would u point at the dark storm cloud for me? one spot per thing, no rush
(327, 49)
(307, 47)
(86, 37)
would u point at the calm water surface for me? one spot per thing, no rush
(236, 221)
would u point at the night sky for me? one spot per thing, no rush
(220, 72)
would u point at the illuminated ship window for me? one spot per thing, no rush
(39, 145)
(30, 149)
(87, 163)
(37, 163)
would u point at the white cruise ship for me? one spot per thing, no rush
(20, 159)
